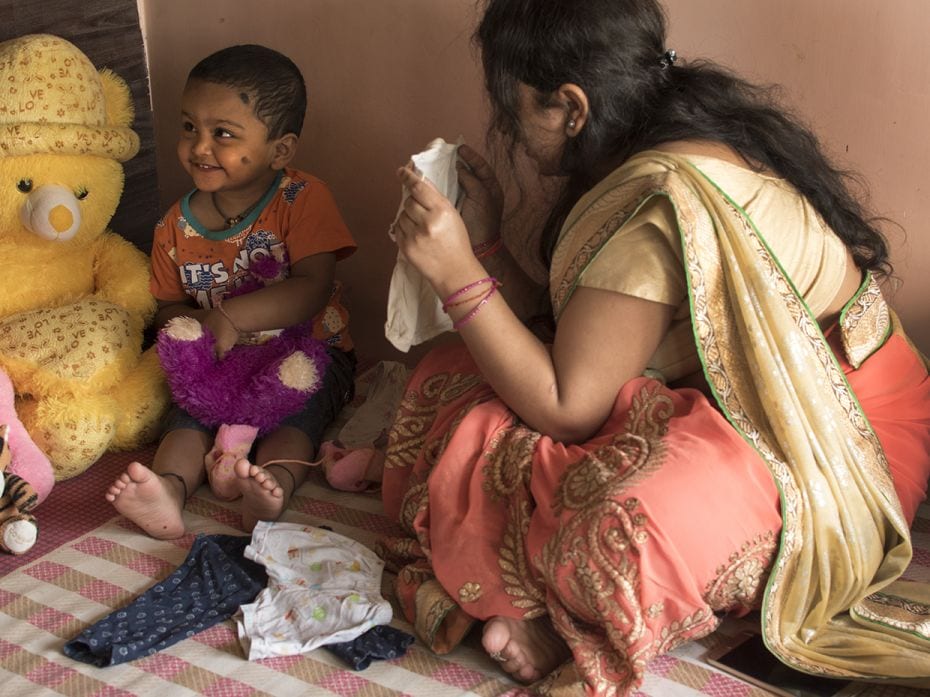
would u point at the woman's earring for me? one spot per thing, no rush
(571, 125)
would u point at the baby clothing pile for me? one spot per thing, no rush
(291, 588)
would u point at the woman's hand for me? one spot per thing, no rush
(484, 198)
(430, 232)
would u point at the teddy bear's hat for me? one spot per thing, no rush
(53, 100)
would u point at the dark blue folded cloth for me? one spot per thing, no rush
(206, 589)
(381, 642)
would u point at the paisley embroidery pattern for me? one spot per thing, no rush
(739, 583)
(591, 565)
(507, 477)
(416, 413)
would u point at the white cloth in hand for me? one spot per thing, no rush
(414, 312)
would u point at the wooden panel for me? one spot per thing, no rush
(108, 32)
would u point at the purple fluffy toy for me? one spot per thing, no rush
(256, 385)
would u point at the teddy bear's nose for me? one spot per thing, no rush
(60, 218)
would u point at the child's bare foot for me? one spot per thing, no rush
(262, 496)
(152, 502)
(527, 649)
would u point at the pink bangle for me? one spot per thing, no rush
(219, 306)
(458, 324)
(447, 303)
(487, 248)
(448, 306)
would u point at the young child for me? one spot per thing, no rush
(241, 114)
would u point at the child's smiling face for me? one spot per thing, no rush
(223, 145)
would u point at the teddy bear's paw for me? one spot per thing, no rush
(18, 534)
(73, 434)
(183, 329)
(143, 399)
(298, 372)
(83, 346)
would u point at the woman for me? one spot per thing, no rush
(702, 240)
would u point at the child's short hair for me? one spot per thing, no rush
(268, 79)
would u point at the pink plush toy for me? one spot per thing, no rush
(245, 394)
(26, 477)
(26, 460)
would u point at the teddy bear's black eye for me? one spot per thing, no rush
(24, 185)
(81, 194)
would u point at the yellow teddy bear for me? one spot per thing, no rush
(74, 296)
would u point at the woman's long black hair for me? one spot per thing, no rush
(613, 50)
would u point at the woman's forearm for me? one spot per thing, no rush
(525, 297)
(565, 391)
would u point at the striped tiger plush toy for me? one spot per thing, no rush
(18, 527)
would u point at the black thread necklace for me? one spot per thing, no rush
(232, 221)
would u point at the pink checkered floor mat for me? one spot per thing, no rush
(89, 561)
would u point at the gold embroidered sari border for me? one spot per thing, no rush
(865, 322)
(905, 614)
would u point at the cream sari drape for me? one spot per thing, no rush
(833, 604)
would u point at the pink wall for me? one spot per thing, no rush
(858, 71)
(387, 76)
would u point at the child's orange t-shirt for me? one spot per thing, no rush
(297, 218)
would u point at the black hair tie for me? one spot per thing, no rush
(667, 60)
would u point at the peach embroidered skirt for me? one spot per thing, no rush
(632, 542)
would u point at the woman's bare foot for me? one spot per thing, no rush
(152, 502)
(527, 649)
(262, 496)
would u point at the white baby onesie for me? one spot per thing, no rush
(414, 313)
(323, 588)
